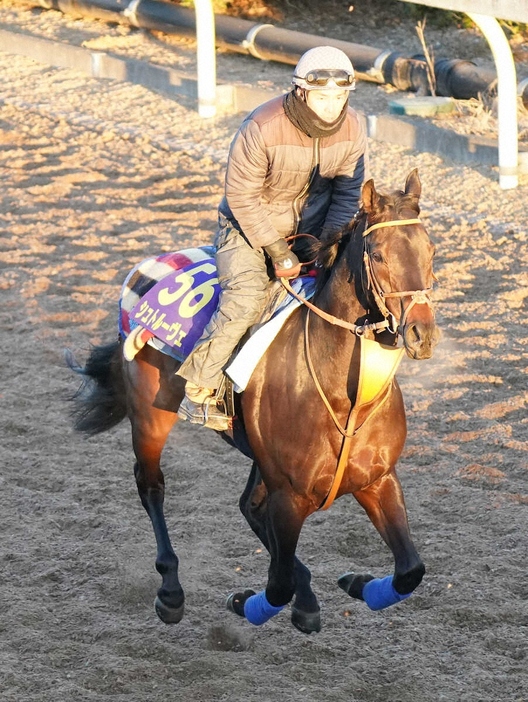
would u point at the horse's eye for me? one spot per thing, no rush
(376, 256)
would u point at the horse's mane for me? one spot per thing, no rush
(395, 205)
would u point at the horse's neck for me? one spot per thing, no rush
(338, 296)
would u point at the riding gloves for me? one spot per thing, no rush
(285, 262)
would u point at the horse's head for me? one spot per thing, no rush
(398, 264)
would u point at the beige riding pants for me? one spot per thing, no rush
(244, 279)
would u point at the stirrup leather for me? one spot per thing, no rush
(225, 396)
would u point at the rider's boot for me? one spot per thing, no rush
(199, 407)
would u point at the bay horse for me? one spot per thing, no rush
(374, 278)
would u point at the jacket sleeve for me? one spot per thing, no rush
(347, 184)
(247, 167)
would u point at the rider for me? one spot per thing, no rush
(296, 164)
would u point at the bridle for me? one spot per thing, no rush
(418, 297)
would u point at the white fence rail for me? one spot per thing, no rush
(484, 14)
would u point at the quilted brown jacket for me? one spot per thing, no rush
(280, 182)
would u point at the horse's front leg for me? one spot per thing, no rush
(383, 502)
(150, 429)
(284, 519)
(305, 614)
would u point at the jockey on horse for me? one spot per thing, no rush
(296, 164)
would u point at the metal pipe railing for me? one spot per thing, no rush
(455, 78)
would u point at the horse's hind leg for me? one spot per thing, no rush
(383, 502)
(152, 418)
(305, 613)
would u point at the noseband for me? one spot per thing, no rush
(418, 297)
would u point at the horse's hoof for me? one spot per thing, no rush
(236, 600)
(353, 584)
(306, 622)
(168, 615)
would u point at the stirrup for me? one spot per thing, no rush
(206, 414)
(214, 417)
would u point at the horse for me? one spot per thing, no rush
(374, 279)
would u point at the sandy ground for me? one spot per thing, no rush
(95, 177)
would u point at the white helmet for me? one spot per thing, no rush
(323, 68)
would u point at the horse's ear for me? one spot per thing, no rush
(413, 186)
(369, 197)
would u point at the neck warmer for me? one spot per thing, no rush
(306, 120)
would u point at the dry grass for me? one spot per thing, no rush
(479, 116)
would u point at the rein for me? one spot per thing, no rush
(354, 328)
(417, 297)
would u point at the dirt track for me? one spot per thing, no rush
(97, 176)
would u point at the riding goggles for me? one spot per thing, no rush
(323, 76)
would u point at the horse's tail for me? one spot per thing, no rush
(100, 401)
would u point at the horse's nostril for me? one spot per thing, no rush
(420, 339)
(412, 334)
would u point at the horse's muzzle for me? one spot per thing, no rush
(420, 338)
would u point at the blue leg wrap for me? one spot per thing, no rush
(258, 610)
(380, 593)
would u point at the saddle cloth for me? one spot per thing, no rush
(166, 301)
